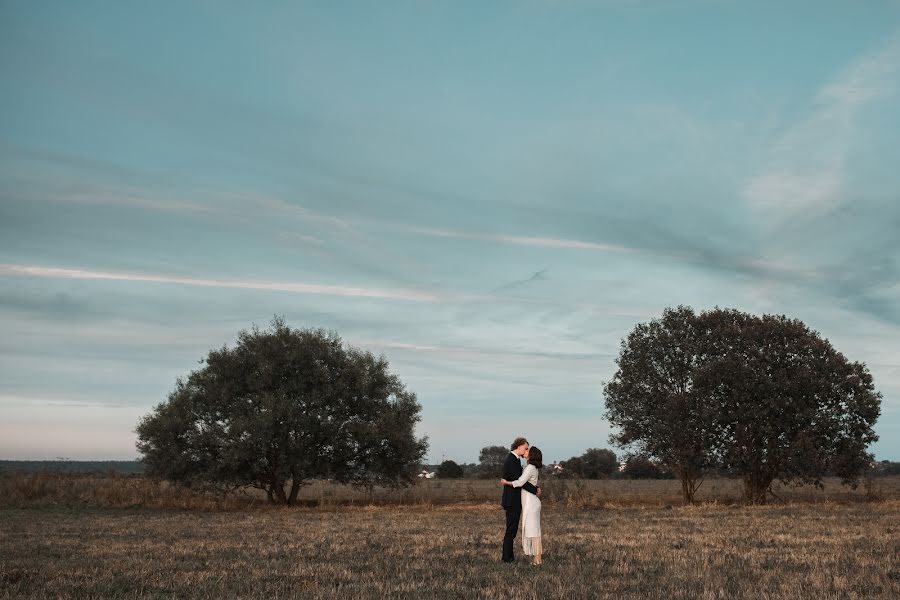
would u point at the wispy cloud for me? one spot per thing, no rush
(292, 236)
(234, 204)
(806, 167)
(518, 240)
(473, 351)
(244, 203)
(275, 286)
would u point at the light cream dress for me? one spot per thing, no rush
(531, 512)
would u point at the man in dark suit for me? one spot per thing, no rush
(512, 497)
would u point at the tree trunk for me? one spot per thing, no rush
(279, 493)
(686, 493)
(295, 487)
(690, 482)
(756, 488)
(270, 492)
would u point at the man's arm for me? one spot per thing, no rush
(530, 488)
(523, 483)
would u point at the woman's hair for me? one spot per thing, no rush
(535, 457)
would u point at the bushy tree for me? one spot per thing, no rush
(449, 470)
(641, 467)
(791, 407)
(763, 397)
(595, 463)
(279, 408)
(490, 462)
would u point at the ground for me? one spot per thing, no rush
(793, 550)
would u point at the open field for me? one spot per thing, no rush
(827, 550)
(68, 536)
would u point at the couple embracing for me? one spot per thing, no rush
(521, 500)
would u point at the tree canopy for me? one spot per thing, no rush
(595, 463)
(641, 467)
(449, 469)
(764, 397)
(490, 462)
(791, 406)
(281, 407)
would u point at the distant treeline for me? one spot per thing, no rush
(468, 470)
(886, 468)
(128, 467)
(598, 464)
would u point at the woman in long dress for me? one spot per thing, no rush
(531, 505)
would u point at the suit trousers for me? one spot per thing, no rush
(513, 514)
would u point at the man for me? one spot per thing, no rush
(512, 497)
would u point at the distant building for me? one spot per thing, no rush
(426, 474)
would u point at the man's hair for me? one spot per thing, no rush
(518, 442)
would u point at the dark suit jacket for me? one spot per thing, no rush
(512, 470)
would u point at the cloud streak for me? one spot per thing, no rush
(519, 240)
(13, 270)
(238, 205)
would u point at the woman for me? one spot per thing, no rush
(531, 505)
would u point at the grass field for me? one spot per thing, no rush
(789, 551)
(829, 546)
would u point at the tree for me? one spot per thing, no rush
(593, 464)
(470, 470)
(886, 468)
(572, 468)
(599, 463)
(279, 408)
(490, 462)
(764, 397)
(791, 407)
(449, 470)
(652, 400)
(641, 467)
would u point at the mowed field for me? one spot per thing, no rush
(832, 546)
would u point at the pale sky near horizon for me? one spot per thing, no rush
(491, 194)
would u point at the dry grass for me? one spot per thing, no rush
(76, 536)
(826, 550)
(72, 490)
(46, 490)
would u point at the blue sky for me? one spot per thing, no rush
(492, 194)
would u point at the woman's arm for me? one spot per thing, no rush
(525, 486)
(526, 474)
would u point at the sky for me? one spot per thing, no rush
(491, 194)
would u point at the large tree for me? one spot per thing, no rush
(279, 408)
(791, 407)
(490, 462)
(764, 397)
(652, 399)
